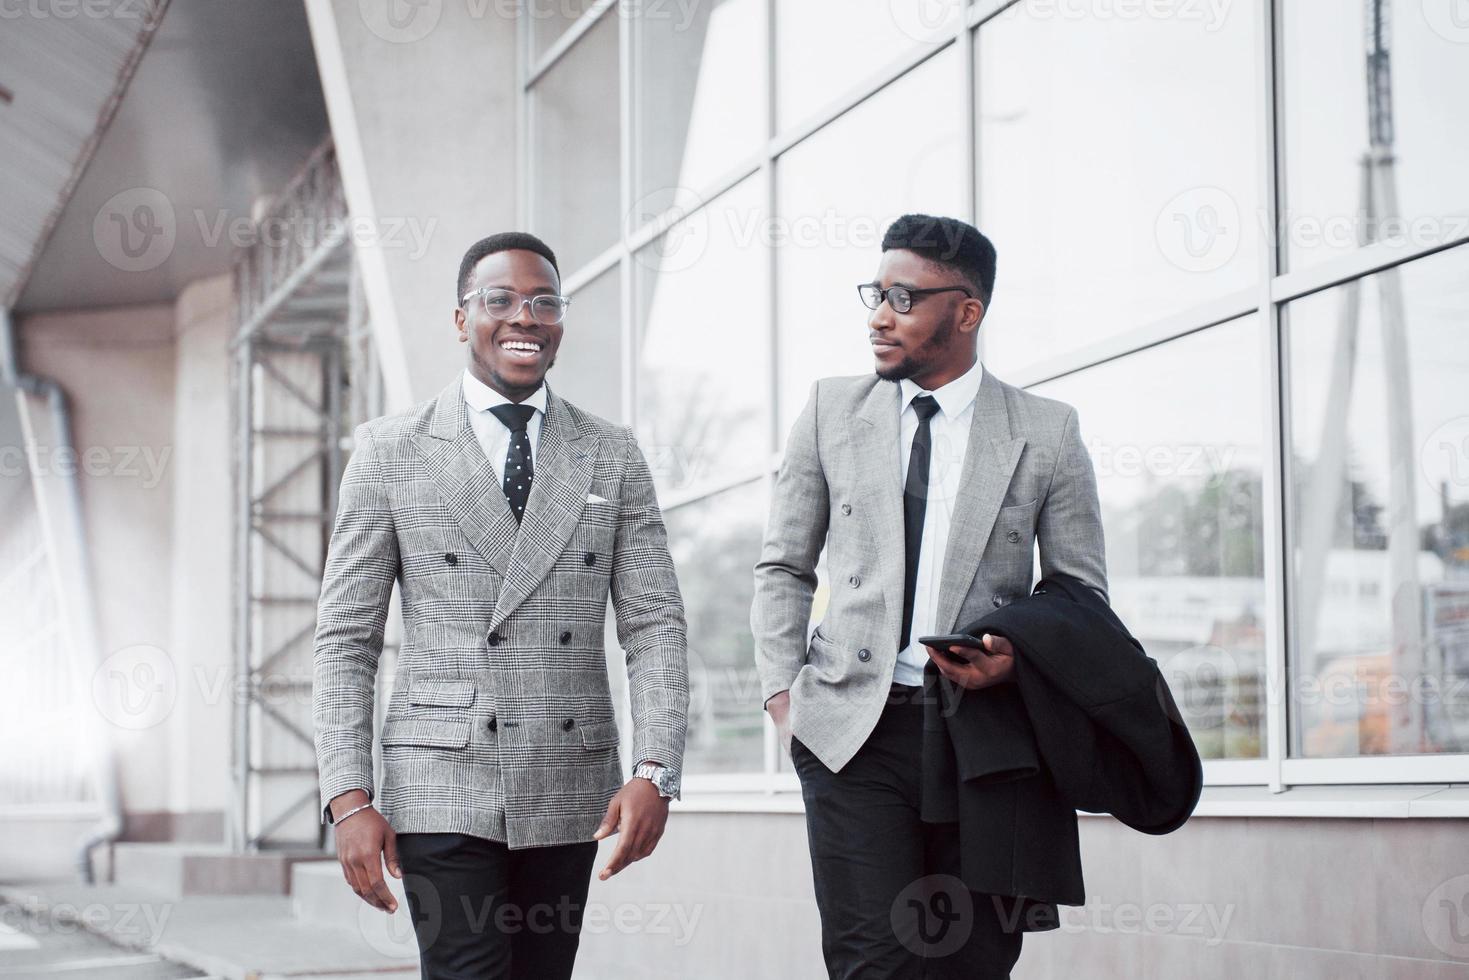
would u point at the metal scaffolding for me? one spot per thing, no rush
(303, 373)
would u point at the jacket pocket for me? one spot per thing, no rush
(426, 731)
(598, 734)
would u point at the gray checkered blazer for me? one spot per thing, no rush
(1027, 480)
(501, 722)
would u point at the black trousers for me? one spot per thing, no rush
(482, 911)
(891, 903)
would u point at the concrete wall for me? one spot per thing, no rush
(118, 368)
(729, 896)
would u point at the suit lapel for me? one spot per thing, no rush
(880, 498)
(466, 483)
(989, 462)
(558, 494)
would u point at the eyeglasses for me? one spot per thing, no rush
(506, 304)
(900, 298)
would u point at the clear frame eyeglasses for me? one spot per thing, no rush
(900, 298)
(506, 304)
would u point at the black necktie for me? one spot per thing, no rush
(915, 504)
(518, 470)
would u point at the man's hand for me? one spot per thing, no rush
(638, 814)
(983, 667)
(364, 841)
(779, 707)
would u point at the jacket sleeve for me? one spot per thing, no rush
(1069, 526)
(785, 575)
(651, 628)
(361, 566)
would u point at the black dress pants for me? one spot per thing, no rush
(891, 903)
(482, 911)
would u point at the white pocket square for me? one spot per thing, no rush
(592, 498)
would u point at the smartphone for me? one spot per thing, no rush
(943, 642)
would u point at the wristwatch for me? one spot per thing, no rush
(661, 776)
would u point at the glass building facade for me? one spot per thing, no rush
(1235, 236)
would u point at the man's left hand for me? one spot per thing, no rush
(637, 814)
(993, 663)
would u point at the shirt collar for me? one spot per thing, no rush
(481, 397)
(953, 398)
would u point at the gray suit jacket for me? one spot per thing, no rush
(501, 722)
(1027, 478)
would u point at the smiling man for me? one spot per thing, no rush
(509, 517)
(929, 483)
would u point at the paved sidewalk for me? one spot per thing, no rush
(231, 937)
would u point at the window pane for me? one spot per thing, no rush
(838, 191)
(574, 179)
(1380, 530)
(1181, 508)
(700, 94)
(1117, 171)
(715, 544)
(549, 19)
(825, 48)
(1424, 145)
(704, 380)
(588, 368)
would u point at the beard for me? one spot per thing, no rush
(920, 359)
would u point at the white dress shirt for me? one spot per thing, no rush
(493, 434)
(949, 433)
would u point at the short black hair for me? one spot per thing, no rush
(949, 242)
(502, 242)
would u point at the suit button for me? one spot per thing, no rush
(494, 639)
(996, 600)
(493, 725)
(854, 581)
(864, 655)
(568, 724)
(846, 508)
(590, 559)
(566, 637)
(1013, 536)
(451, 559)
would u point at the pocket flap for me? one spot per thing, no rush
(598, 734)
(448, 692)
(425, 731)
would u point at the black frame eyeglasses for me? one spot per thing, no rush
(900, 298)
(545, 308)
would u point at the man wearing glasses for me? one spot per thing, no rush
(508, 516)
(929, 483)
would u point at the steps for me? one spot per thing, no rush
(180, 869)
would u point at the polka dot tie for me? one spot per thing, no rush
(518, 470)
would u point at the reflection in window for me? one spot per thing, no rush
(1380, 531)
(700, 96)
(1117, 171)
(574, 171)
(715, 544)
(588, 368)
(837, 193)
(703, 380)
(1413, 143)
(825, 48)
(1181, 506)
